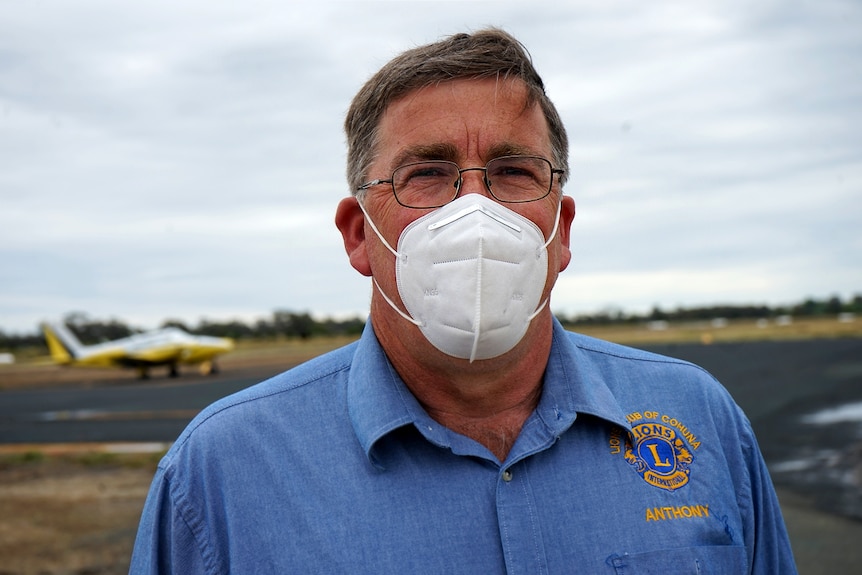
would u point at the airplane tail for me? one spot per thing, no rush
(62, 343)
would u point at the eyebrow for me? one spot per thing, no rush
(426, 152)
(510, 149)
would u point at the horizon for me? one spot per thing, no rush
(320, 317)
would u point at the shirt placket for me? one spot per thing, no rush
(519, 522)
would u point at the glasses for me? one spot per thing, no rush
(509, 179)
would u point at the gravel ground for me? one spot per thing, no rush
(62, 517)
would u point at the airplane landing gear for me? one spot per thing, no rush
(209, 368)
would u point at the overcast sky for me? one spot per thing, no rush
(183, 160)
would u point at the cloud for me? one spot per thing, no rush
(184, 160)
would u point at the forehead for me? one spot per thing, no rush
(460, 120)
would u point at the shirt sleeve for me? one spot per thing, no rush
(769, 543)
(165, 543)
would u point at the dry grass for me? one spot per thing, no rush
(707, 332)
(70, 515)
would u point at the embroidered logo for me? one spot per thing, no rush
(659, 450)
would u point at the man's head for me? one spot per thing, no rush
(488, 53)
(463, 125)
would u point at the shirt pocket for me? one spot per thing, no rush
(707, 560)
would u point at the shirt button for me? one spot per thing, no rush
(507, 476)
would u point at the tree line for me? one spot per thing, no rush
(286, 324)
(808, 308)
(281, 324)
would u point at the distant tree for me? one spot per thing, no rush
(657, 314)
(833, 305)
(91, 331)
(282, 322)
(233, 329)
(304, 325)
(292, 324)
(176, 323)
(807, 308)
(12, 343)
(350, 326)
(264, 329)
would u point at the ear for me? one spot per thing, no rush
(567, 216)
(350, 221)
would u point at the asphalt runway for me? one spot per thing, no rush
(116, 410)
(816, 467)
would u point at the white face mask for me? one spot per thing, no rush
(471, 275)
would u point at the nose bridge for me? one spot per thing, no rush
(478, 185)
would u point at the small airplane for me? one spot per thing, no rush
(169, 346)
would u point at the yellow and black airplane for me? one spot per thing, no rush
(170, 346)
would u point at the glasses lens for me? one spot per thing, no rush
(425, 184)
(519, 178)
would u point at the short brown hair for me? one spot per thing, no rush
(484, 54)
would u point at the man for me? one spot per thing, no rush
(466, 432)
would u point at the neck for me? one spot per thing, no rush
(486, 400)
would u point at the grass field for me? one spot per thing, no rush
(705, 332)
(716, 331)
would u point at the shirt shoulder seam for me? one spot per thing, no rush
(193, 524)
(648, 357)
(290, 387)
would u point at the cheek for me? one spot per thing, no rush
(380, 258)
(543, 213)
(392, 218)
(390, 222)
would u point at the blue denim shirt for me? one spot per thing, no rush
(631, 463)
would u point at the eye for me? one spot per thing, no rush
(514, 170)
(424, 174)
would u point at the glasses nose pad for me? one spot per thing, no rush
(483, 189)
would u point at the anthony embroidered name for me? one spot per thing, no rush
(679, 512)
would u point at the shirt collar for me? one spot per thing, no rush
(379, 402)
(573, 386)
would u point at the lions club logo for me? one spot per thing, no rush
(659, 452)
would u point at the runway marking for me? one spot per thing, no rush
(81, 448)
(99, 415)
(848, 412)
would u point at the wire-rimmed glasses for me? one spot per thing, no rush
(434, 183)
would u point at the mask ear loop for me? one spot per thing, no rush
(556, 224)
(395, 307)
(376, 231)
(545, 246)
(373, 279)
